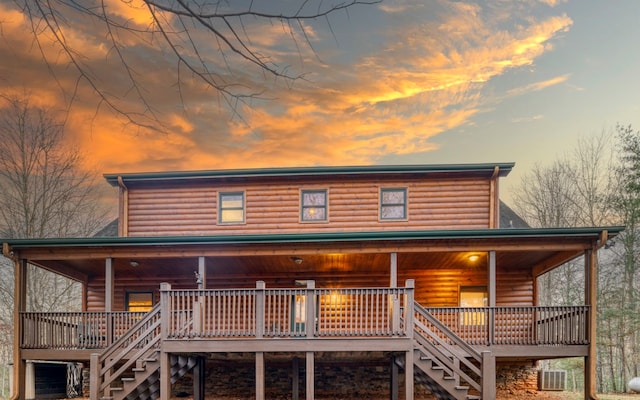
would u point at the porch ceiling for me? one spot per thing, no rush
(310, 264)
(537, 250)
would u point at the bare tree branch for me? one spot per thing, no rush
(198, 34)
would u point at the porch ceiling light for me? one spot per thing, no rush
(474, 257)
(297, 260)
(134, 263)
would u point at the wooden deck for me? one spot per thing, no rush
(265, 315)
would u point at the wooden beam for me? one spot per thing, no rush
(359, 247)
(60, 268)
(552, 262)
(288, 346)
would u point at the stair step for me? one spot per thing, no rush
(138, 369)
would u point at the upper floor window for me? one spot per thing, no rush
(314, 205)
(393, 203)
(231, 207)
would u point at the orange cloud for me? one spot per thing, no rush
(427, 74)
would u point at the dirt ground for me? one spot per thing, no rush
(563, 396)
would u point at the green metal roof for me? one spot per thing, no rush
(504, 169)
(590, 232)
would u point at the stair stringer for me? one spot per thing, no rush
(145, 383)
(443, 360)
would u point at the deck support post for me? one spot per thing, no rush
(30, 381)
(259, 375)
(198, 379)
(19, 305)
(295, 379)
(310, 379)
(408, 374)
(165, 376)
(393, 384)
(590, 274)
(488, 375)
(94, 376)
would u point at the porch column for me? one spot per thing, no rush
(393, 282)
(259, 375)
(590, 281)
(108, 284)
(165, 364)
(202, 273)
(19, 305)
(491, 289)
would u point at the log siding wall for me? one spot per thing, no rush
(434, 287)
(353, 205)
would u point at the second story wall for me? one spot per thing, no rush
(352, 204)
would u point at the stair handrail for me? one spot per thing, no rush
(444, 353)
(148, 328)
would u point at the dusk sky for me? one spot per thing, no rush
(399, 82)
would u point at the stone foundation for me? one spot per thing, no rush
(338, 376)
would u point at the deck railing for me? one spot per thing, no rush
(307, 312)
(556, 325)
(74, 330)
(270, 313)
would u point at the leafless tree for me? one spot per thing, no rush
(578, 190)
(209, 42)
(45, 193)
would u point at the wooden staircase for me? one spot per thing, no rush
(444, 363)
(129, 369)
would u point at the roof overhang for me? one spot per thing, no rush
(489, 169)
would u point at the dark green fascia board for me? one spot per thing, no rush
(590, 232)
(489, 168)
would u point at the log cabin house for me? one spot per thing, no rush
(324, 282)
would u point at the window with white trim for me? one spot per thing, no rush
(393, 204)
(231, 207)
(313, 205)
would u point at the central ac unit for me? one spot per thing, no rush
(552, 379)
